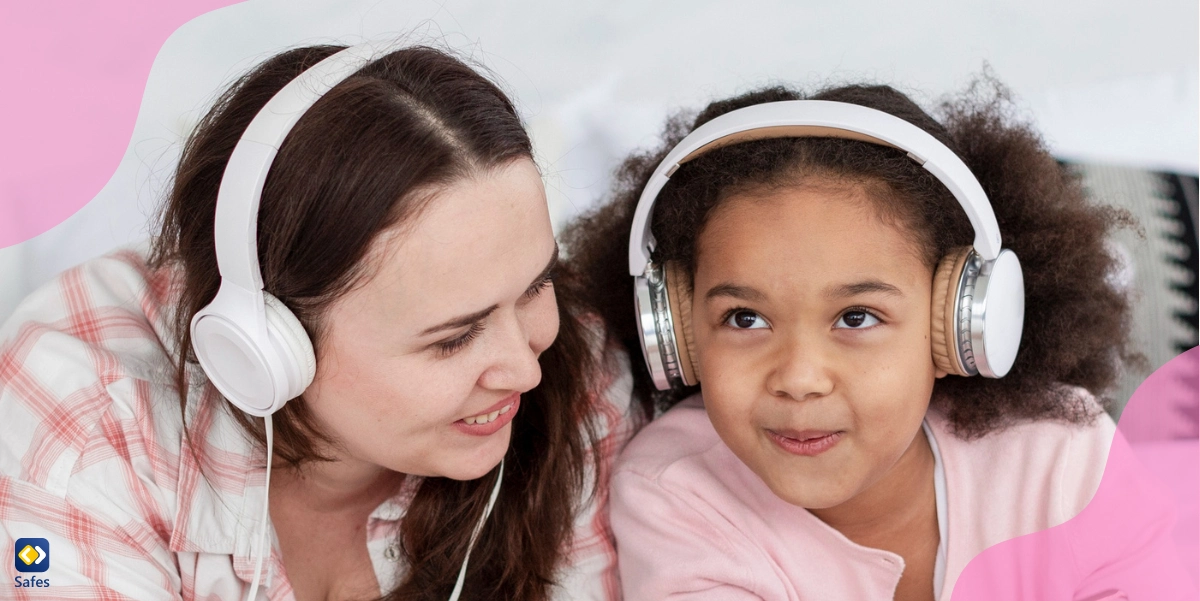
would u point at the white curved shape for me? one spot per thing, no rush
(242, 183)
(793, 118)
(1000, 315)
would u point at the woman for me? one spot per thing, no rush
(404, 225)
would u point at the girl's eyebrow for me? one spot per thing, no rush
(745, 293)
(863, 287)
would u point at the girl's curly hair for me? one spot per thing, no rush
(1076, 323)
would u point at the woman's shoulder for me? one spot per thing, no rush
(84, 365)
(100, 302)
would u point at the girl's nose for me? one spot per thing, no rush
(800, 373)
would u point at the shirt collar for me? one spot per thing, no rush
(220, 494)
(220, 501)
(395, 508)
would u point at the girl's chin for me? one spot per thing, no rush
(801, 494)
(811, 501)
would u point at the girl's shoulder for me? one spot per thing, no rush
(1052, 468)
(1101, 520)
(680, 435)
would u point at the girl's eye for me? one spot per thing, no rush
(743, 319)
(449, 347)
(856, 319)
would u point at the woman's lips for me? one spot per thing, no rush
(807, 443)
(504, 410)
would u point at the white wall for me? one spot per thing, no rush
(1106, 80)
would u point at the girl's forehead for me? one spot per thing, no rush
(812, 209)
(806, 228)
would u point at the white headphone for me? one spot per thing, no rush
(978, 307)
(251, 347)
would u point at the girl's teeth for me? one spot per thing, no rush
(505, 409)
(492, 415)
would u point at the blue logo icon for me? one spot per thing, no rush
(33, 555)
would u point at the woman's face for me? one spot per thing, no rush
(811, 318)
(421, 367)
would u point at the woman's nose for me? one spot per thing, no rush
(521, 342)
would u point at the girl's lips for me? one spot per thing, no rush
(493, 426)
(807, 443)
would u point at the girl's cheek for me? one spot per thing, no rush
(728, 385)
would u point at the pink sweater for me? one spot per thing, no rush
(693, 522)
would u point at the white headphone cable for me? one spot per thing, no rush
(487, 511)
(264, 522)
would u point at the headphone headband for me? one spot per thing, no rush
(793, 118)
(241, 187)
(252, 347)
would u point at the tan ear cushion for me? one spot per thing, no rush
(943, 331)
(679, 295)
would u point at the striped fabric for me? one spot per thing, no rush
(92, 457)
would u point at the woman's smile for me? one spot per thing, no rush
(491, 420)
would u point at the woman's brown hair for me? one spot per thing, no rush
(362, 160)
(1076, 324)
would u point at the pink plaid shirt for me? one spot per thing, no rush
(91, 457)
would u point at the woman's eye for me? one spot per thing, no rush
(539, 287)
(856, 320)
(745, 320)
(449, 347)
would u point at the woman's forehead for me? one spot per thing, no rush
(473, 239)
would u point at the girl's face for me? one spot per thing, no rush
(811, 318)
(421, 367)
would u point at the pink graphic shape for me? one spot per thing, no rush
(74, 76)
(1138, 537)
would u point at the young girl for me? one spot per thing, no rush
(819, 284)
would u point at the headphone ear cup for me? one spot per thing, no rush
(679, 295)
(944, 333)
(293, 345)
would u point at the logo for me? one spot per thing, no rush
(33, 555)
